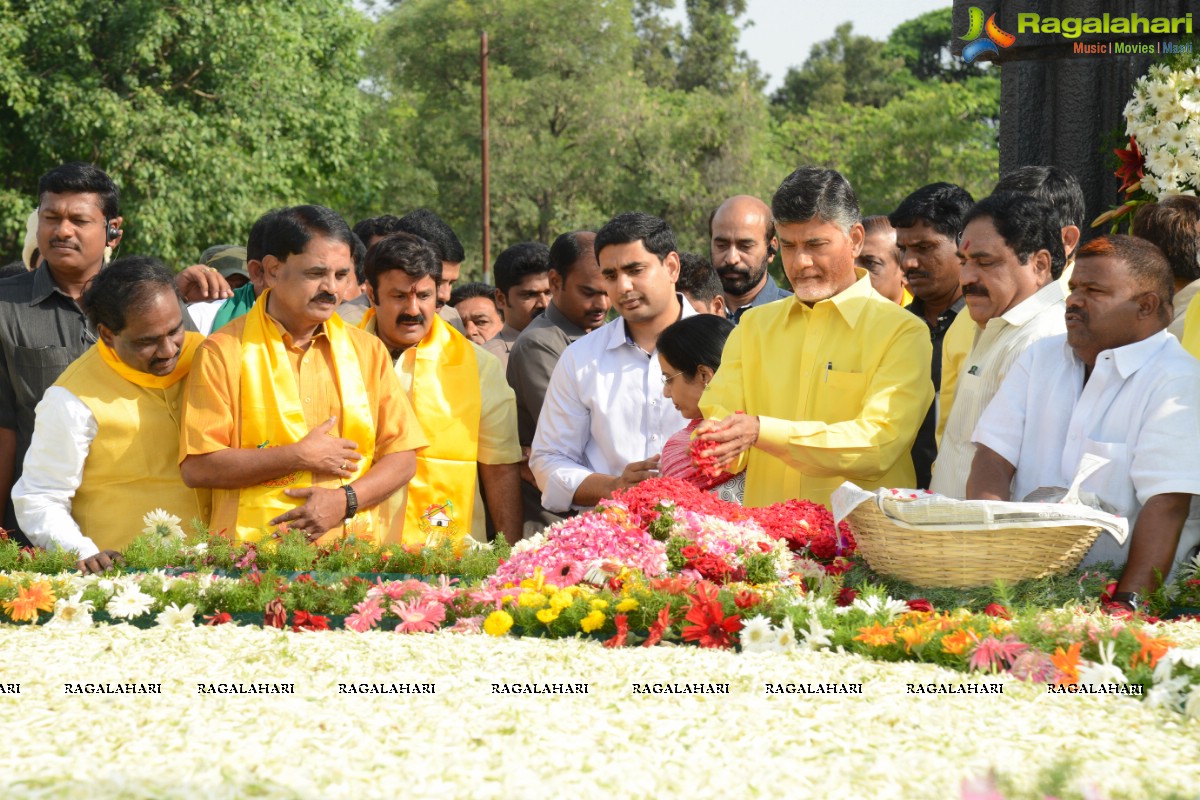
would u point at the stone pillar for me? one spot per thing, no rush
(1058, 107)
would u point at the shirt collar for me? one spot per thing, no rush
(1129, 358)
(618, 335)
(850, 302)
(1033, 305)
(559, 320)
(44, 286)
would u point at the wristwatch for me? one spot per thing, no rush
(351, 502)
(1131, 599)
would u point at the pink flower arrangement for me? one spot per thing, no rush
(366, 616)
(419, 616)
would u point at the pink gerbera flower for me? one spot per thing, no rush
(419, 616)
(993, 655)
(565, 573)
(367, 615)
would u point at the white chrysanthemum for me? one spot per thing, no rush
(1188, 656)
(128, 603)
(72, 612)
(1162, 95)
(817, 635)
(1190, 102)
(106, 585)
(163, 523)
(1191, 569)
(758, 636)
(174, 616)
(785, 637)
(1168, 694)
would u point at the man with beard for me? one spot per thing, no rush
(927, 224)
(1117, 386)
(460, 398)
(1012, 257)
(293, 418)
(742, 240)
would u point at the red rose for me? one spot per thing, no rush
(690, 552)
(846, 596)
(920, 604)
(997, 610)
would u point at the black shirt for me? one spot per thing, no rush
(924, 451)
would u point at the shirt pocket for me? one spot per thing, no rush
(35, 369)
(840, 396)
(1110, 484)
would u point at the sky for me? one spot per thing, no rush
(785, 30)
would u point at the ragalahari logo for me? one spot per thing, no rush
(984, 37)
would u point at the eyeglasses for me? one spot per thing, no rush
(668, 378)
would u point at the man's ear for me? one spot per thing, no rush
(857, 234)
(1041, 263)
(1149, 305)
(556, 282)
(371, 294)
(718, 305)
(671, 262)
(106, 334)
(501, 301)
(1070, 239)
(270, 266)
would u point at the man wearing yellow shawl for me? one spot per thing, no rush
(460, 396)
(293, 418)
(104, 442)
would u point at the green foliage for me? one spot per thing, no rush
(675, 559)
(760, 568)
(45, 562)
(923, 44)
(205, 113)
(847, 68)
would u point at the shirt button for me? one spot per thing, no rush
(653, 402)
(308, 399)
(654, 437)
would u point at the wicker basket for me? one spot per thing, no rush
(941, 557)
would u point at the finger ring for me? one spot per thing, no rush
(211, 269)
(344, 465)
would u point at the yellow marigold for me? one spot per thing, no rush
(497, 623)
(956, 643)
(592, 622)
(913, 637)
(561, 600)
(877, 635)
(547, 615)
(29, 601)
(531, 600)
(599, 605)
(627, 605)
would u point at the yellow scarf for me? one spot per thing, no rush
(272, 415)
(191, 340)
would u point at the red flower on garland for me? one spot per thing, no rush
(703, 459)
(618, 640)
(304, 621)
(275, 615)
(747, 599)
(219, 618)
(1133, 167)
(659, 627)
(690, 552)
(920, 604)
(710, 627)
(846, 596)
(997, 610)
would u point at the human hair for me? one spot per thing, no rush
(1053, 185)
(466, 291)
(698, 279)
(941, 205)
(125, 287)
(287, 231)
(430, 227)
(879, 223)
(636, 226)
(79, 177)
(1148, 267)
(814, 192)
(1173, 224)
(695, 342)
(368, 229)
(254, 240)
(518, 261)
(1026, 224)
(565, 251)
(402, 251)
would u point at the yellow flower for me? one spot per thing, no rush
(999, 626)
(534, 583)
(547, 615)
(497, 623)
(599, 605)
(593, 621)
(626, 605)
(913, 637)
(561, 600)
(956, 643)
(876, 635)
(29, 601)
(531, 600)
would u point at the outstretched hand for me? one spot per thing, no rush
(731, 436)
(198, 283)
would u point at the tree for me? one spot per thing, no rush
(205, 113)
(923, 44)
(844, 68)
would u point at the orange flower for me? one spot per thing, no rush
(913, 637)
(1152, 649)
(957, 643)
(877, 635)
(29, 601)
(1067, 664)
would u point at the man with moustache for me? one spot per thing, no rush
(742, 239)
(604, 419)
(845, 401)
(460, 398)
(441, 237)
(1012, 258)
(927, 224)
(1117, 386)
(293, 418)
(578, 305)
(105, 443)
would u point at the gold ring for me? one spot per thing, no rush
(345, 466)
(211, 269)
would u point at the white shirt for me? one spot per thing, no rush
(1140, 409)
(996, 347)
(63, 432)
(604, 408)
(204, 314)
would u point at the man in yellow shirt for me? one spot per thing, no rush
(103, 449)
(833, 383)
(292, 417)
(460, 396)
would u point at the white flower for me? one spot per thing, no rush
(72, 612)
(129, 602)
(876, 605)
(1192, 706)
(785, 637)
(174, 616)
(200, 548)
(758, 635)
(106, 585)
(1104, 671)
(1167, 694)
(817, 635)
(1191, 569)
(163, 523)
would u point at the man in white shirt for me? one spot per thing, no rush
(1012, 254)
(604, 420)
(1118, 386)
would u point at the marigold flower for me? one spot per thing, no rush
(497, 623)
(29, 601)
(957, 643)
(626, 605)
(877, 635)
(547, 615)
(531, 600)
(593, 621)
